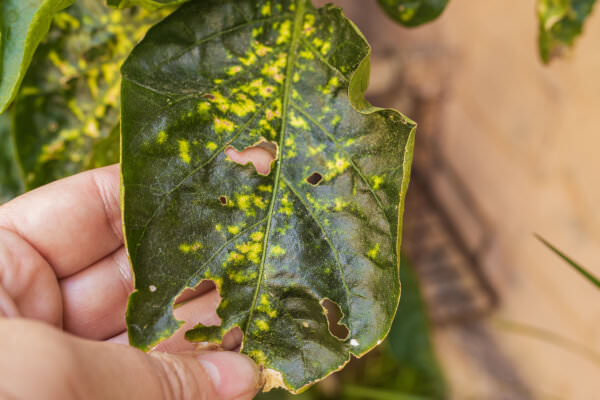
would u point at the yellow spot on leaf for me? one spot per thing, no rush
(262, 325)
(212, 146)
(277, 250)
(373, 252)
(223, 125)
(257, 236)
(162, 137)
(184, 151)
(285, 32)
(233, 229)
(377, 181)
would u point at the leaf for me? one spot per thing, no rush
(147, 4)
(70, 100)
(10, 177)
(24, 23)
(560, 23)
(236, 73)
(405, 367)
(413, 13)
(584, 272)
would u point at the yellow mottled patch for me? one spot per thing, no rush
(265, 188)
(258, 356)
(349, 142)
(277, 250)
(297, 121)
(235, 257)
(317, 42)
(266, 9)
(162, 137)
(257, 236)
(339, 204)
(336, 120)
(377, 181)
(257, 31)
(262, 325)
(203, 107)
(249, 60)
(244, 203)
(373, 252)
(184, 151)
(285, 32)
(265, 306)
(223, 125)
(252, 250)
(326, 47)
(306, 54)
(308, 27)
(315, 150)
(233, 229)
(243, 106)
(188, 248)
(286, 205)
(261, 49)
(234, 70)
(212, 146)
(218, 227)
(266, 91)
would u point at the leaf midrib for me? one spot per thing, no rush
(300, 5)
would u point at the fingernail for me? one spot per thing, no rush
(233, 375)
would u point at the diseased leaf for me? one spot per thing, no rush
(70, 98)
(279, 73)
(560, 23)
(147, 4)
(24, 25)
(11, 183)
(584, 272)
(405, 367)
(413, 12)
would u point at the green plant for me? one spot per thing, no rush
(218, 76)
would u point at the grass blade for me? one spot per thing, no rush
(589, 276)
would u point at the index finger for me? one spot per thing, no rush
(73, 222)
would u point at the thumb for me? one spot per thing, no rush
(65, 367)
(218, 375)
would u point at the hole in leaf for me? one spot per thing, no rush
(223, 200)
(261, 155)
(315, 178)
(203, 287)
(232, 340)
(334, 314)
(193, 306)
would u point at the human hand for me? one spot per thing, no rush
(62, 262)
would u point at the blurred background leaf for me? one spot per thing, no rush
(404, 367)
(70, 99)
(560, 23)
(10, 176)
(24, 24)
(413, 12)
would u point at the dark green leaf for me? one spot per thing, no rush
(404, 367)
(413, 12)
(235, 73)
(11, 183)
(147, 4)
(70, 96)
(410, 341)
(586, 274)
(560, 23)
(24, 25)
